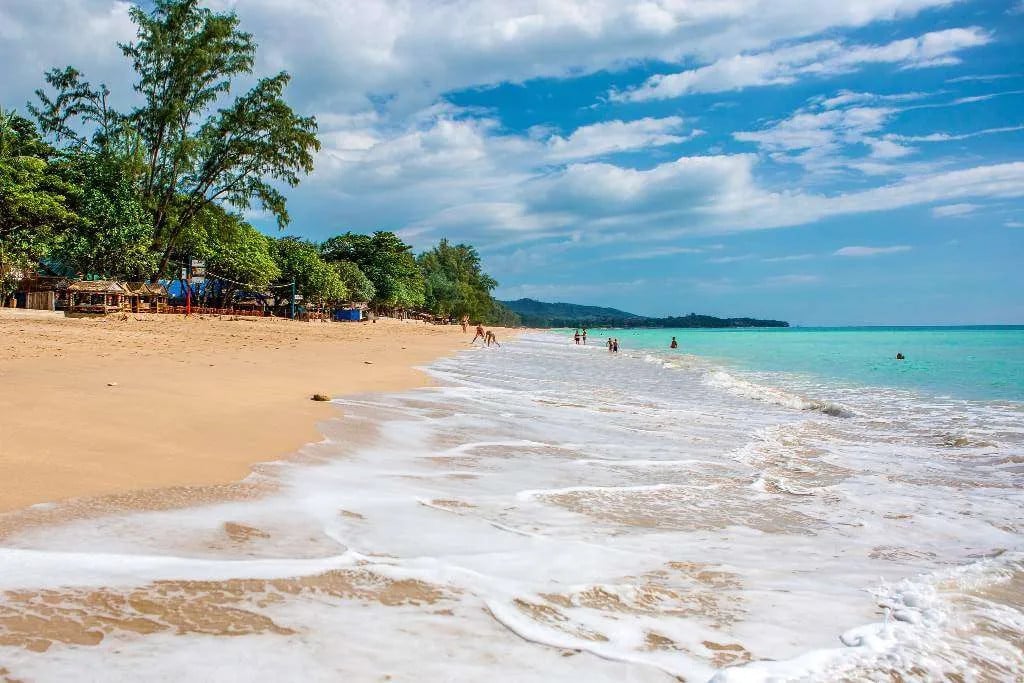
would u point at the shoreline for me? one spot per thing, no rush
(104, 407)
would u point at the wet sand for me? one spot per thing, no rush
(104, 406)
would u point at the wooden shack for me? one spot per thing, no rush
(147, 297)
(42, 292)
(96, 296)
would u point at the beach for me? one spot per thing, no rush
(545, 511)
(101, 406)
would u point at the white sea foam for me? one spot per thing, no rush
(549, 512)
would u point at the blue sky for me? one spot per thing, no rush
(823, 163)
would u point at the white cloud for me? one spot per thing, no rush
(817, 58)
(409, 53)
(948, 137)
(819, 139)
(608, 137)
(790, 280)
(648, 254)
(1014, 224)
(869, 251)
(791, 257)
(732, 259)
(954, 210)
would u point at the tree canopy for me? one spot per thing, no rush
(187, 58)
(387, 261)
(134, 193)
(455, 284)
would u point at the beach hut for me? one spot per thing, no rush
(42, 292)
(96, 296)
(147, 297)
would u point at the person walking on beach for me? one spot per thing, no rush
(674, 344)
(479, 334)
(465, 323)
(584, 336)
(576, 337)
(615, 345)
(609, 344)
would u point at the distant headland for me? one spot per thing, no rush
(535, 313)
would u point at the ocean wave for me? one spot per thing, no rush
(940, 626)
(741, 387)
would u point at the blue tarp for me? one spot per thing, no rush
(348, 314)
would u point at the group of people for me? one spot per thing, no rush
(487, 336)
(580, 337)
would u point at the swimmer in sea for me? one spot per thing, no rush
(900, 356)
(674, 344)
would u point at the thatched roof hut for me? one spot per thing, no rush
(147, 296)
(96, 296)
(97, 286)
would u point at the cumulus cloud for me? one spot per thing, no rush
(345, 55)
(37, 36)
(817, 58)
(869, 251)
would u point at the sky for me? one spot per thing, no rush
(818, 162)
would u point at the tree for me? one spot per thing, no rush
(456, 285)
(237, 255)
(358, 285)
(388, 263)
(300, 262)
(35, 201)
(187, 58)
(115, 233)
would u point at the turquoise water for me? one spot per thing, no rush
(980, 363)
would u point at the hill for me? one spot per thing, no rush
(541, 314)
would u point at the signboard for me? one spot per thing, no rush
(198, 268)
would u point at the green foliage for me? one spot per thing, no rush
(388, 263)
(456, 286)
(300, 262)
(114, 235)
(186, 58)
(358, 285)
(232, 249)
(35, 200)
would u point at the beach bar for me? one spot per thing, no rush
(96, 296)
(147, 297)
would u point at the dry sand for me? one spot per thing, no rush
(99, 406)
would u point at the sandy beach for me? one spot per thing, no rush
(99, 406)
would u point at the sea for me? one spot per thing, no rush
(755, 505)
